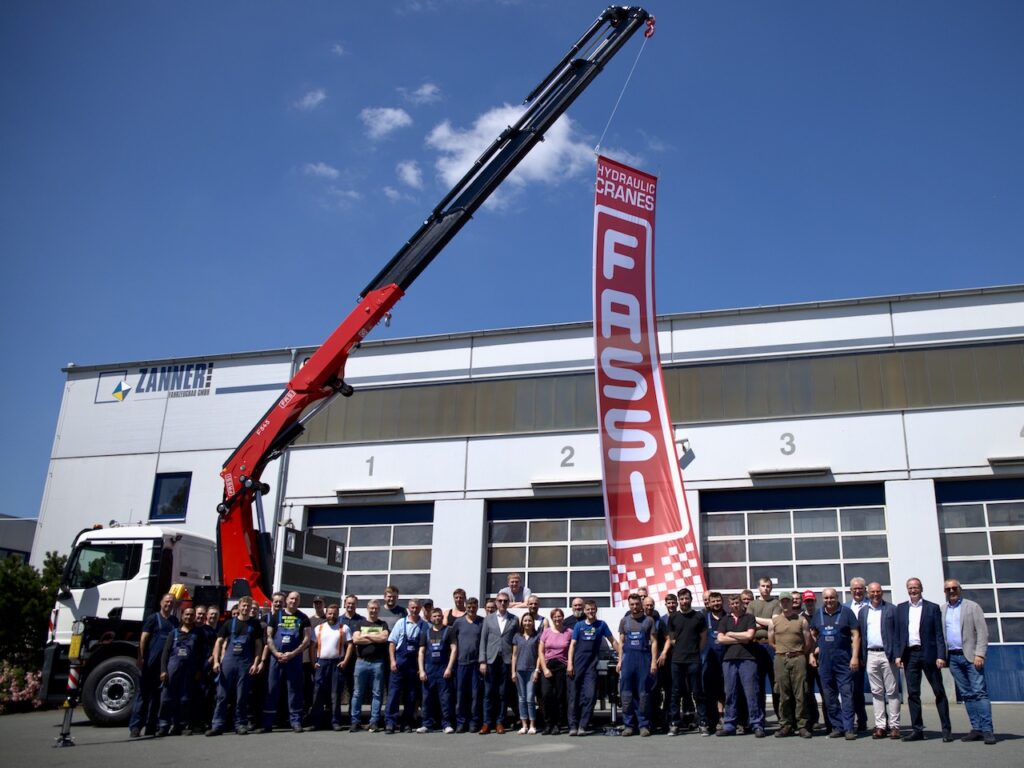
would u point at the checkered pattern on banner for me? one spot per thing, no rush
(663, 567)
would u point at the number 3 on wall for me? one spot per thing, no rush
(789, 444)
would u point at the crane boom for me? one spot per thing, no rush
(243, 551)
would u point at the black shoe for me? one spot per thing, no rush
(837, 734)
(914, 735)
(242, 730)
(337, 727)
(389, 730)
(461, 729)
(972, 736)
(759, 733)
(214, 732)
(134, 733)
(990, 738)
(163, 732)
(354, 728)
(265, 729)
(947, 736)
(851, 735)
(296, 729)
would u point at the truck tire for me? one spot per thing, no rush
(110, 690)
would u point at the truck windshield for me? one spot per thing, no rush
(96, 564)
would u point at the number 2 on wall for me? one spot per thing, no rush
(568, 452)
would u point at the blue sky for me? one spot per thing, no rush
(184, 179)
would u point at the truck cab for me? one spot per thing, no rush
(113, 579)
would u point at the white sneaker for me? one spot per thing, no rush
(532, 731)
(522, 731)
(449, 729)
(422, 729)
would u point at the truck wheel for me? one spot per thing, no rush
(110, 690)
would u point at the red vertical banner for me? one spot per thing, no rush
(650, 540)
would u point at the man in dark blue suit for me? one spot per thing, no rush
(922, 650)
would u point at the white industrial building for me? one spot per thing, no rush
(879, 437)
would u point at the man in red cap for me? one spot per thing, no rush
(810, 602)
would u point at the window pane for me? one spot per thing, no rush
(870, 519)
(372, 586)
(968, 571)
(410, 560)
(410, 584)
(734, 551)
(723, 525)
(508, 533)
(814, 520)
(964, 544)
(1010, 600)
(170, 496)
(727, 579)
(869, 572)
(1008, 542)
(1009, 571)
(818, 548)
(961, 516)
(587, 530)
(1006, 513)
(414, 535)
(993, 630)
(762, 523)
(1013, 631)
(552, 602)
(370, 536)
(548, 557)
(549, 530)
(781, 576)
(495, 581)
(589, 554)
(986, 598)
(770, 549)
(368, 560)
(546, 581)
(589, 582)
(819, 576)
(865, 546)
(100, 563)
(508, 557)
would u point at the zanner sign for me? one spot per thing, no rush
(650, 539)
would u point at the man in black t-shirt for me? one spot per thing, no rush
(736, 632)
(687, 635)
(371, 643)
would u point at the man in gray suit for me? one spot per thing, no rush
(967, 641)
(496, 636)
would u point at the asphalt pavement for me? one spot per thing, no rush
(28, 740)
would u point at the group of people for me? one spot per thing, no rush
(422, 668)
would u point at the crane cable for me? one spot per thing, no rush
(648, 33)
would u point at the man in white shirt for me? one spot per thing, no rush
(332, 651)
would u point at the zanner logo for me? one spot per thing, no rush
(182, 380)
(121, 390)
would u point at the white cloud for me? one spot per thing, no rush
(380, 121)
(623, 156)
(562, 155)
(311, 100)
(427, 93)
(323, 170)
(392, 194)
(338, 49)
(410, 174)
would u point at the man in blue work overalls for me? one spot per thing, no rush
(236, 662)
(436, 657)
(288, 636)
(181, 664)
(637, 665)
(837, 658)
(588, 637)
(403, 648)
(155, 631)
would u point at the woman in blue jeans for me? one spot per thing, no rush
(526, 672)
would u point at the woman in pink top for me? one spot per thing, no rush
(553, 651)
